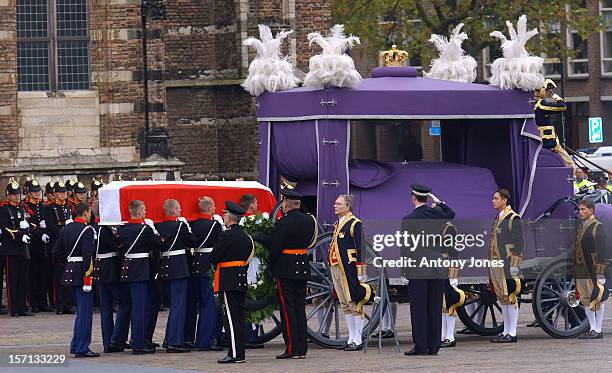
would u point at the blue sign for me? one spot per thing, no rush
(595, 130)
(434, 128)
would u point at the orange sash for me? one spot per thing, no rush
(294, 251)
(235, 263)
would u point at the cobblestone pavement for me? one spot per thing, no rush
(535, 352)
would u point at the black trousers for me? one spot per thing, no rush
(426, 313)
(155, 299)
(63, 295)
(16, 268)
(38, 281)
(292, 302)
(233, 321)
(2, 263)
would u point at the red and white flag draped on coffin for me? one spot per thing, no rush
(115, 197)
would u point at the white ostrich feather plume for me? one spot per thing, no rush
(333, 67)
(270, 70)
(452, 64)
(517, 69)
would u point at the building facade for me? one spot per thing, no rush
(72, 97)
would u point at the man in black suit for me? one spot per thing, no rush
(602, 185)
(426, 284)
(231, 256)
(292, 236)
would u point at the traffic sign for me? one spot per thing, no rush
(595, 130)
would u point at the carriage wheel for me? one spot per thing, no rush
(326, 324)
(554, 301)
(481, 313)
(270, 328)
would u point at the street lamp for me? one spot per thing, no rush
(156, 10)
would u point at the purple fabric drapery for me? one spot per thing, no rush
(294, 151)
(530, 149)
(333, 140)
(264, 153)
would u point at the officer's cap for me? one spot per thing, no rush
(420, 190)
(49, 187)
(13, 188)
(291, 194)
(70, 185)
(96, 184)
(59, 187)
(32, 186)
(79, 188)
(234, 208)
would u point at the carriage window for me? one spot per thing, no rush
(395, 140)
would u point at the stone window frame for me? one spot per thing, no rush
(569, 40)
(53, 41)
(552, 61)
(607, 29)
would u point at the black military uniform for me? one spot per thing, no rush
(231, 256)
(426, 286)
(174, 269)
(74, 248)
(293, 234)
(202, 301)
(15, 240)
(40, 258)
(139, 243)
(57, 215)
(107, 273)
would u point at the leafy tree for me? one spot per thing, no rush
(381, 23)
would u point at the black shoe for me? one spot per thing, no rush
(124, 345)
(35, 310)
(344, 346)
(177, 349)
(45, 309)
(465, 331)
(70, 310)
(143, 351)
(414, 352)
(325, 335)
(354, 347)
(253, 346)
(533, 324)
(114, 347)
(448, 343)
(13, 314)
(229, 360)
(506, 339)
(211, 348)
(432, 353)
(111, 349)
(87, 354)
(497, 338)
(26, 313)
(190, 345)
(592, 334)
(283, 356)
(3, 311)
(151, 344)
(59, 312)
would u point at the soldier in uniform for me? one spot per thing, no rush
(231, 256)
(543, 110)
(345, 267)
(57, 215)
(49, 193)
(292, 236)
(75, 248)
(70, 191)
(174, 270)
(590, 263)
(95, 185)
(139, 240)
(79, 194)
(39, 254)
(107, 273)
(15, 241)
(453, 297)
(206, 231)
(426, 285)
(506, 244)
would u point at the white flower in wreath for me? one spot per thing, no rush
(265, 215)
(258, 221)
(260, 282)
(251, 217)
(242, 221)
(253, 270)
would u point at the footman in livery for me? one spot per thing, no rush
(293, 235)
(345, 267)
(231, 256)
(453, 297)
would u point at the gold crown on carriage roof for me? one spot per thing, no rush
(393, 57)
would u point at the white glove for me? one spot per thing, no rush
(68, 221)
(514, 271)
(42, 224)
(453, 282)
(25, 239)
(114, 229)
(45, 238)
(435, 199)
(182, 218)
(404, 280)
(601, 279)
(24, 224)
(362, 278)
(87, 288)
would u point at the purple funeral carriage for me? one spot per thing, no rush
(465, 141)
